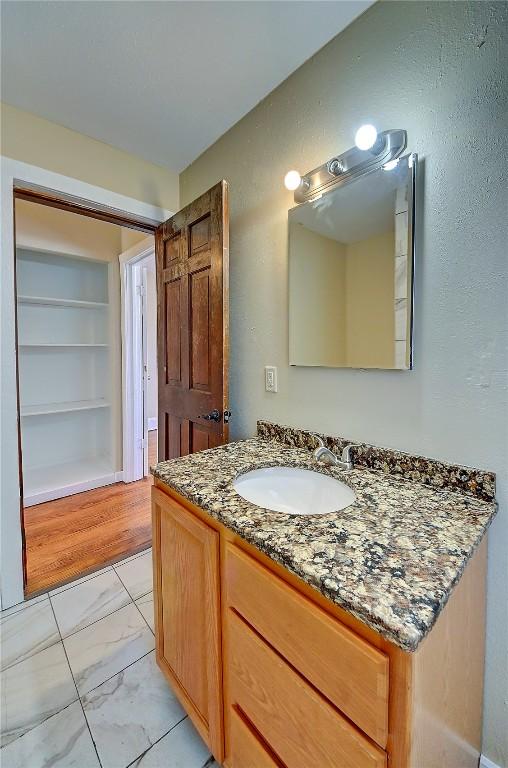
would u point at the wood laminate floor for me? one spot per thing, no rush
(76, 535)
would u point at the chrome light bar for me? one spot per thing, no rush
(351, 164)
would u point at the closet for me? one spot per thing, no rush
(64, 343)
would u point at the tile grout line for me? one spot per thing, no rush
(39, 724)
(125, 586)
(132, 557)
(76, 687)
(146, 622)
(21, 606)
(31, 655)
(80, 579)
(73, 680)
(156, 742)
(61, 638)
(132, 602)
(47, 596)
(80, 698)
(117, 673)
(99, 572)
(71, 634)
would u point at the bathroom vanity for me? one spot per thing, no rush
(324, 640)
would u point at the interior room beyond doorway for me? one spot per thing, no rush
(78, 514)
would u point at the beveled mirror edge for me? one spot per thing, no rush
(411, 222)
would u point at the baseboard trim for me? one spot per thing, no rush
(69, 490)
(486, 763)
(152, 423)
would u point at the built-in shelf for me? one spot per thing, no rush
(64, 332)
(66, 344)
(28, 249)
(48, 301)
(77, 405)
(52, 482)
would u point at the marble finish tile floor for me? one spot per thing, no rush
(79, 684)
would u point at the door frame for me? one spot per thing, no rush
(135, 461)
(46, 187)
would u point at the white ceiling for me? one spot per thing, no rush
(162, 80)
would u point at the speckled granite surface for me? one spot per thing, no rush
(438, 474)
(391, 559)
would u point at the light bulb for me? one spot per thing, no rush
(365, 137)
(391, 164)
(292, 180)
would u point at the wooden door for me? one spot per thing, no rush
(192, 321)
(187, 614)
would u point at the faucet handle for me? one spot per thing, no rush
(346, 453)
(320, 440)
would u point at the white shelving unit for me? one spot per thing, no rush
(64, 374)
(47, 408)
(52, 302)
(58, 480)
(68, 344)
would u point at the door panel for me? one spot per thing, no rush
(199, 437)
(199, 331)
(187, 610)
(172, 249)
(172, 435)
(173, 313)
(193, 324)
(200, 235)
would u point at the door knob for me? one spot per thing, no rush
(212, 416)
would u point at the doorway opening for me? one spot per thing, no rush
(79, 512)
(139, 359)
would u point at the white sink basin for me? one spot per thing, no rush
(294, 491)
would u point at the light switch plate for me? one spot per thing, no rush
(270, 378)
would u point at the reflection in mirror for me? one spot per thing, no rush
(351, 273)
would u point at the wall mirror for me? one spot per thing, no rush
(351, 259)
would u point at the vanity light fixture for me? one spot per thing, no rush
(292, 180)
(378, 150)
(365, 137)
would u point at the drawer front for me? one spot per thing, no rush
(246, 751)
(350, 672)
(299, 725)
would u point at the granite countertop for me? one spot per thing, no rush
(391, 559)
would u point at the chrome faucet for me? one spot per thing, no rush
(322, 453)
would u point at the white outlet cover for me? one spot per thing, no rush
(270, 378)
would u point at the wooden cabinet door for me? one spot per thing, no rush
(187, 614)
(192, 326)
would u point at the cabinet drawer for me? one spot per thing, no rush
(350, 672)
(300, 726)
(246, 751)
